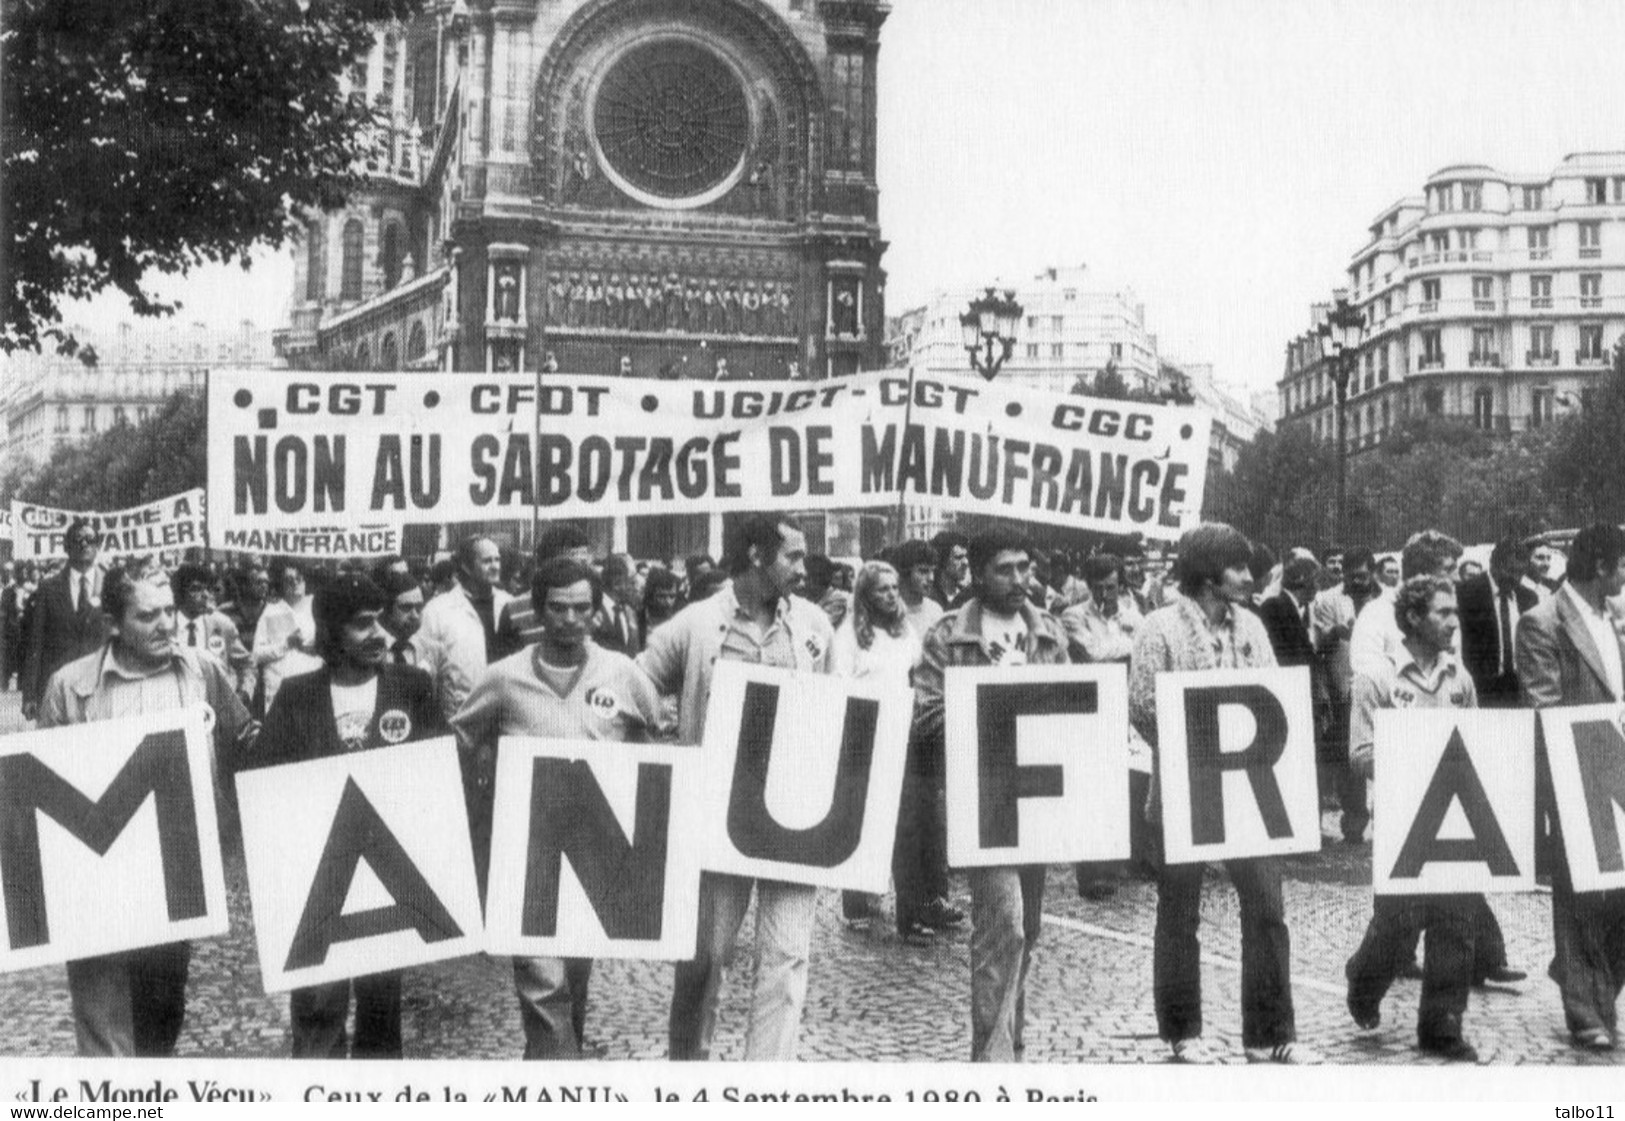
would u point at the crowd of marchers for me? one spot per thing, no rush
(483, 647)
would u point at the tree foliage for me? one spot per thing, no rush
(1590, 466)
(125, 466)
(149, 136)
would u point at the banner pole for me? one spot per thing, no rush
(535, 442)
(902, 488)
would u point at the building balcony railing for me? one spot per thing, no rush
(1590, 252)
(1590, 301)
(1430, 363)
(1540, 254)
(1547, 358)
(1428, 307)
(1597, 359)
(1486, 305)
(1491, 360)
(1483, 255)
(1540, 302)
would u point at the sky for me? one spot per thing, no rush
(1221, 158)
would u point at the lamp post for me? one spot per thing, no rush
(1340, 336)
(989, 328)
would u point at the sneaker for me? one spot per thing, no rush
(1097, 891)
(1287, 1054)
(918, 934)
(1456, 1050)
(1594, 1039)
(940, 914)
(1191, 1050)
(1368, 1018)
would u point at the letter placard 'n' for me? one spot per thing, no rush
(359, 834)
(624, 879)
(1586, 750)
(133, 834)
(1037, 761)
(751, 825)
(1236, 755)
(1458, 790)
(810, 770)
(359, 863)
(595, 850)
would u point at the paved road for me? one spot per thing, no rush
(874, 998)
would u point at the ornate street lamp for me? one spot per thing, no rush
(1340, 337)
(989, 328)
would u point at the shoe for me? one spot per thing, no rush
(1097, 891)
(1192, 1051)
(918, 934)
(1410, 971)
(1456, 1050)
(1286, 1054)
(1503, 975)
(1368, 1019)
(939, 914)
(1594, 1039)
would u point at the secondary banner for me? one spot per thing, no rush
(167, 525)
(295, 449)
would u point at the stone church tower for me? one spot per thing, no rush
(653, 188)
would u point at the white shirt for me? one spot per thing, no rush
(889, 657)
(275, 653)
(1603, 634)
(352, 711)
(453, 631)
(1006, 637)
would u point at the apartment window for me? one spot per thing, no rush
(1057, 350)
(1467, 239)
(1056, 322)
(1540, 243)
(1596, 191)
(1387, 306)
(1483, 353)
(1472, 196)
(1540, 291)
(90, 419)
(141, 414)
(1591, 239)
(1370, 371)
(1483, 293)
(1619, 189)
(1433, 401)
(1354, 427)
(120, 418)
(1117, 350)
(1591, 342)
(1445, 197)
(1534, 198)
(1439, 242)
(350, 281)
(1032, 350)
(846, 130)
(1540, 343)
(62, 418)
(1386, 416)
(1591, 289)
(1588, 399)
(1542, 406)
(1430, 295)
(1484, 409)
(1382, 365)
(1070, 294)
(316, 263)
(1432, 349)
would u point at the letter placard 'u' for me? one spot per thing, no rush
(593, 850)
(359, 863)
(803, 776)
(1456, 791)
(1236, 757)
(122, 815)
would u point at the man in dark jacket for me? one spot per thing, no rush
(66, 621)
(357, 701)
(1491, 606)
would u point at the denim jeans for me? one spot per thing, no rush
(1588, 951)
(130, 1004)
(318, 1014)
(1267, 1017)
(1397, 921)
(1007, 909)
(784, 923)
(552, 1004)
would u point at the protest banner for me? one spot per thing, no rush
(592, 850)
(167, 525)
(1585, 746)
(359, 863)
(1037, 764)
(803, 774)
(1456, 791)
(1236, 758)
(292, 449)
(333, 542)
(86, 867)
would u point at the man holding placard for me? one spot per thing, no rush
(1568, 654)
(564, 686)
(133, 1004)
(1209, 629)
(757, 618)
(1425, 675)
(999, 626)
(357, 701)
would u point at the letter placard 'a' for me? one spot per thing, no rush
(359, 863)
(803, 776)
(1456, 795)
(1585, 745)
(1037, 762)
(111, 819)
(1236, 757)
(593, 850)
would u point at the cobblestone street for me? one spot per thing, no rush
(875, 998)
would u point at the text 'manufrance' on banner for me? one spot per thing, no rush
(1236, 756)
(594, 850)
(803, 774)
(121, 813)
(289, 450)
(1037, 764)
(1585, 746)
(359, 863)
(1454, 791)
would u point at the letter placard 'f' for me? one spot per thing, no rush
(751, 825)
